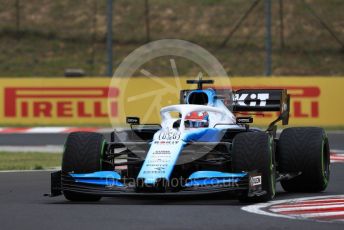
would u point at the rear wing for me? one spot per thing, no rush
(263, 100)
(244, 100)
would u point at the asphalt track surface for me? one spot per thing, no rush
(23, 206)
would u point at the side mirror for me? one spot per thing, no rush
(133, 120)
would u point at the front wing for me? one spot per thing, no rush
(109, 184)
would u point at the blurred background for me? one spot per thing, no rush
(45, 37)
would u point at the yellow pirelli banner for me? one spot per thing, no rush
(106, 101)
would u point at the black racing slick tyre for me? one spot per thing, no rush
(254, 151)
(82, 154)
(304, 150)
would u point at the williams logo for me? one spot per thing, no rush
(169, 135)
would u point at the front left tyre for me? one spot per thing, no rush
(83, 154)
(254, 151)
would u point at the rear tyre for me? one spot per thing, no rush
(83, 154)
(253, 151)
(305, 150)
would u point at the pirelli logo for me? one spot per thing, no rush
(60, 102)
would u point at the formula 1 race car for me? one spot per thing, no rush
(202, 146)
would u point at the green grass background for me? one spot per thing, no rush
(55, 35)
(29, 161)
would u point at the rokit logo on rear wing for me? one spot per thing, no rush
(260, 100)
(264, 100)
(253, 99)
(305, 100)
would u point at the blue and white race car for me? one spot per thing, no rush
(200, 147)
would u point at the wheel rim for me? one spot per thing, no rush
(325, 161)
(272, 170)
(102, 154)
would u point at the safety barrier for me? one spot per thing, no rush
(103, 101)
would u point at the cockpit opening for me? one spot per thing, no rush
(198, 98)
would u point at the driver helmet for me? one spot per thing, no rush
(197, 120)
